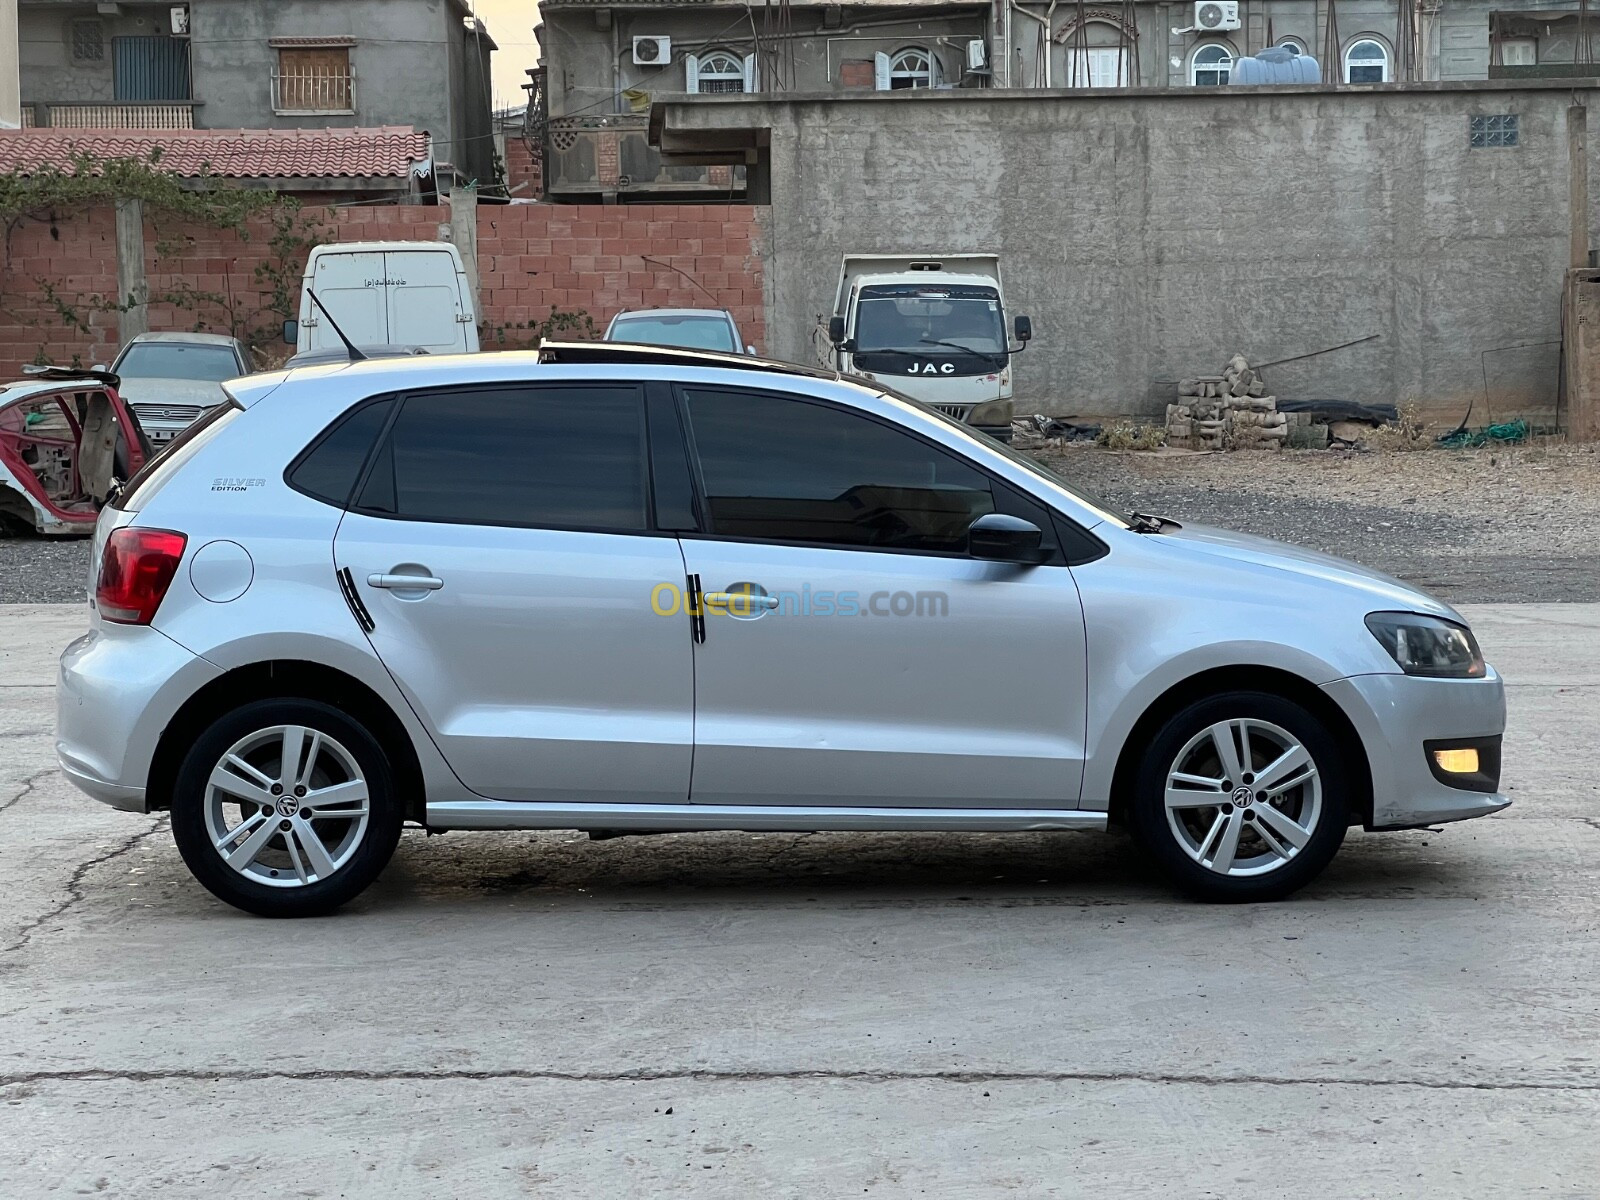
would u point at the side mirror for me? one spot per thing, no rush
(1004, 538)
(750, 349)
(836, 330)
(291, 332)
(1023, 327)
(100, 367)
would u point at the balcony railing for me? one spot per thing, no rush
(71, 115)
(612, 156)
(313, 90)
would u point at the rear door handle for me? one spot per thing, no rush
(405, 583)
(741, 601)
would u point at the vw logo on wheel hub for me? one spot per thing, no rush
(288, 806)
(1242, 796)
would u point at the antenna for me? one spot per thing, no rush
(355, 354)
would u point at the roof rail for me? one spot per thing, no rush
(635, 352)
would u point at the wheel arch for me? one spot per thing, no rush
(284, 678)
(1273, 680)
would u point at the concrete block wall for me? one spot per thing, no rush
(532, 258)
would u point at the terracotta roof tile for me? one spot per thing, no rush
(386, 151)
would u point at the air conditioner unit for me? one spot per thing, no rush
(657, 51)
(977, 55)
(179, 14)
(1216, 16)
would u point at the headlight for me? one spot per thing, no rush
(1428, 645)
(991, 412)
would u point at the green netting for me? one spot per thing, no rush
(1508, 431)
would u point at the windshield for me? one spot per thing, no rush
(1032, 466)
(909, 318)
(687, 333)
(178, 360)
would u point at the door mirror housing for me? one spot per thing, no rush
(836, 330)
(1000, 537)
(1023, 327)
(291, 332)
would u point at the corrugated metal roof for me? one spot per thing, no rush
(384, 152)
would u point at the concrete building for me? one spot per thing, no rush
(604, 60)
(1380, 243)
(263, 64)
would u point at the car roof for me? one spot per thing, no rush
(673, 312)
(197, 339)
(453, 370)
(28, 389)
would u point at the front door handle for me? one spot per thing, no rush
(405, 583)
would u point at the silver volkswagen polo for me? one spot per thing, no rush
(623, 589)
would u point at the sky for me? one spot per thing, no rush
(511, 25)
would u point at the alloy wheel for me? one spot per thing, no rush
(287, 806)
(1243, 797)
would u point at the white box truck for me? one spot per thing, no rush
(931, 326)
(410, 294)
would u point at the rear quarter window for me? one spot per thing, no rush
(328, 469)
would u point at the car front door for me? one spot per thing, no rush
(502, 543)
(873, 662)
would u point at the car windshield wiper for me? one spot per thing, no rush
(984, 354)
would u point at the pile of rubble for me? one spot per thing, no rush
(1227, 411)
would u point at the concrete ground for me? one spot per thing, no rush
(832, 1015)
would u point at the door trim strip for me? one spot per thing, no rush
(753, 818)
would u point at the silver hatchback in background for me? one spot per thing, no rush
(172, 379)
(527, 590)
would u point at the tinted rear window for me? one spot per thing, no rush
(562, 456)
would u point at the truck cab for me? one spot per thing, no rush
(933, 328)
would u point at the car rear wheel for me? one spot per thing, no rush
(1242, 796)
(286, 808)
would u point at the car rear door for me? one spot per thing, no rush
(350, 285)
(875, 663)
(424, 300)
(503, 546)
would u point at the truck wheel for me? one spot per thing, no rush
(286, 808)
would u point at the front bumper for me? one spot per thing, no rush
(116, 691)
(1395, 715)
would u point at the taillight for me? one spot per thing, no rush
(135, 573)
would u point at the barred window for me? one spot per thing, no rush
(88, 41)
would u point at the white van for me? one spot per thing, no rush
(412, 294)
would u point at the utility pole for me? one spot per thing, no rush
(10, 68)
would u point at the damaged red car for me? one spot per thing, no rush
(67, 442)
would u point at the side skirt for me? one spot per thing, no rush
(509, 814)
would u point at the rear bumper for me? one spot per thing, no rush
(116, 692)
(1395, 716)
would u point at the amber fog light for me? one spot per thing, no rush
(1458, 762)
(1472, 764)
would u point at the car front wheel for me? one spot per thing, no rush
(286, 808)
(1242, 796)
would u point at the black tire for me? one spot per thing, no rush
(1148, 813)
(367, 857)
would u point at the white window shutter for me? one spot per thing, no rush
(752, 81)
(935, 70)
(880, 72)
(691, 72)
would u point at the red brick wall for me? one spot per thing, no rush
(532, 258)
(522, 166)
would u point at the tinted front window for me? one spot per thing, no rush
(688, 333)
(330, 469)
(565, 456)
(178, 360)
(791, 471)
